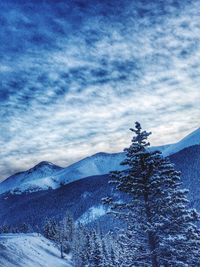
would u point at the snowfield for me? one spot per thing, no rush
(29, 250)
(92, 214)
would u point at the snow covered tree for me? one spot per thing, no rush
(5, 229)
(132, 247)
(161, 228)
(113, 260)
(97, 257)
(23, 228)
(105, 252)
(82, 246)
(50, 229)
(88, 248)
(54, 231)
(67, 226)
(65, 234)
(61, 232)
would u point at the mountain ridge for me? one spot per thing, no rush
(47, 175)
(83, 198)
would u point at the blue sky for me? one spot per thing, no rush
(75, 75)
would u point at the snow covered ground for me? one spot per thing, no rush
(29, 250)
(92, 214)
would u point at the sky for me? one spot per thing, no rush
(75, 75)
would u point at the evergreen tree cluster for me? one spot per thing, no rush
(21, 228)
(88, 246)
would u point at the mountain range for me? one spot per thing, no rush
(46, 175)
(47, 190)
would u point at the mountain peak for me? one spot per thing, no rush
(45, 163)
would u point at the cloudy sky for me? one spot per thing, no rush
(76, 74)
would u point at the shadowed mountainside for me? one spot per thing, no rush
(83, 197)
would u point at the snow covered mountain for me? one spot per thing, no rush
(46, 175)
(98, 164)
(189, 140)
(83, 198)
(29, 250)
(37, 178)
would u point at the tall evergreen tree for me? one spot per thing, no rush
(113, 262)
(161, 228)
(67, 225)
(97, 257)
(50, 229)
(61, 232)
(82, 250)
(104, 251)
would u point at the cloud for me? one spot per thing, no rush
(75, 75)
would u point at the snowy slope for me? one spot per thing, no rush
(29, 250)
(189, 140)
(47, 175)
(98, 164)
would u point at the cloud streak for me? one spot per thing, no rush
(75, 75)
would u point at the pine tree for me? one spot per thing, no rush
(81, 246)
(104, 251)
(133, 248)
(50, 229)
(61, 232)
(113, 260)
(67, 226)
(5, 229)
(23, 228)
(97, 257)
(86, 250)
(160, 223)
